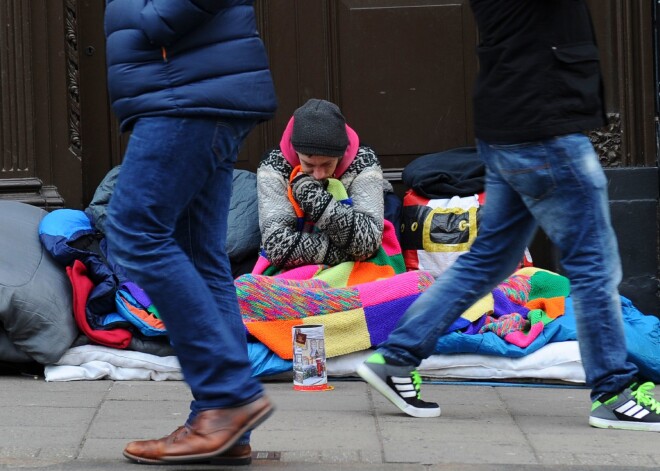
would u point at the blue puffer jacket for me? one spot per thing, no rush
(186, 58)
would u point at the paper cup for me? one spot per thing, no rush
(309, 372)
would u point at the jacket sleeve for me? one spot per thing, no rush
(285, 246)
(358, 229)
(164, 21)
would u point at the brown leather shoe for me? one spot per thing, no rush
(212, 433)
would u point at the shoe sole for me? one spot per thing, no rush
(623, 425)
(381, 386)
(214, 455)
(216, 461)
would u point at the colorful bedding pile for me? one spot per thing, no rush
(358, 302)
(519, 308)
(361, 316)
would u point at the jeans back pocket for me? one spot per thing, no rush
(526, 167)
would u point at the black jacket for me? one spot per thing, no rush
(539, 70)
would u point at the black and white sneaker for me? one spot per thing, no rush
(400, 384)
(634, 408)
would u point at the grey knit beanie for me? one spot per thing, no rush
(319, 128)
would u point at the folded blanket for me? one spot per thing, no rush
(557, 361)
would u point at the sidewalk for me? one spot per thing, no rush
(84, 425)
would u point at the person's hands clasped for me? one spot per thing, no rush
(310, 194)
(301, 180)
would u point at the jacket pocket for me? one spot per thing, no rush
(576, 53)
(576, 78)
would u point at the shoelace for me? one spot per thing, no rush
(178, 434)
(645, 397)
(417, 383)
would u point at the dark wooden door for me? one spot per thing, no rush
(400, 70)
(58, 138)
(33, 134)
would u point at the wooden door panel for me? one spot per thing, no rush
(297, 35)
(404, 75)
(401, 70)
(32, 147)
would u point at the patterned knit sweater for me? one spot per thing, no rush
(343, 233)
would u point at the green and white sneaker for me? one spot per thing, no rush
(400, 384)
(632, 409)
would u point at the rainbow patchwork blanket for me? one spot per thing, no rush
(362, 316)
(355, 317)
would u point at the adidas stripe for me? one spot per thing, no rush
(632, 409)
(404, 386)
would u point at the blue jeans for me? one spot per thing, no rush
(559, 185)
(167, 227)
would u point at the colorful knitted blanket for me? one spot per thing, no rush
(519, 308)
(355, 317)
(361, 316)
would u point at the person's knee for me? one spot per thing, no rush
(491, 262)
(125, 238)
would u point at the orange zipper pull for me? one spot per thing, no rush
(164, 52)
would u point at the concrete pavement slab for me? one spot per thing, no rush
(86, 424)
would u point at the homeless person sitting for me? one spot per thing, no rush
(320, 193)
(329, 256)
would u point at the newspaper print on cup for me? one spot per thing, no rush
(309, 372)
